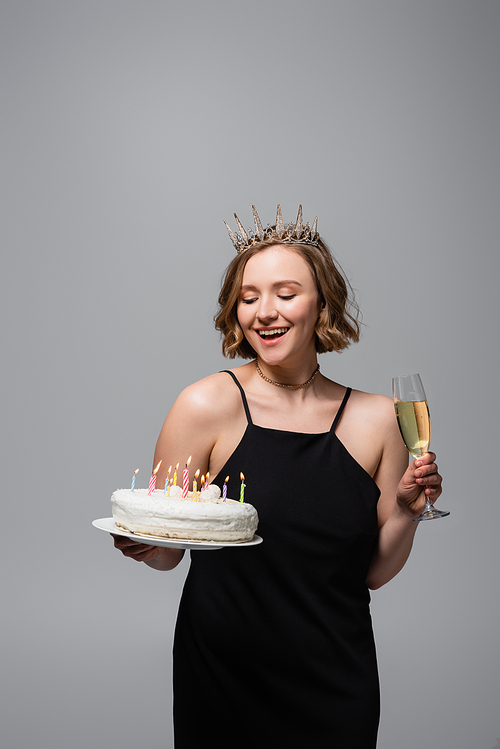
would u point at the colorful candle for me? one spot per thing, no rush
(174, 480)
(224, 489)
(185, 479)
(195, 484)
(152, 480)
(133, 479)
(207, 478)
(242, 488)
(168, 481)
(165, 490)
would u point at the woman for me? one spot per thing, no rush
(274, 643)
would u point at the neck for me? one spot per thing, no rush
(289, 377)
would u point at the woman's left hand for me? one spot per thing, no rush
(420, 480)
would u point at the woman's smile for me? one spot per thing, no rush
(272, 335)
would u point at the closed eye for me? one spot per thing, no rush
(287, 298)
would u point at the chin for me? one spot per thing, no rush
(275, 350)
(277, 358)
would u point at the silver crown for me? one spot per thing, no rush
(294, 233)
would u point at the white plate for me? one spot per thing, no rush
(108, 524)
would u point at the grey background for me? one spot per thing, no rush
(129, 131)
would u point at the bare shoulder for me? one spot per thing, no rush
(376, 410)
(208, 398)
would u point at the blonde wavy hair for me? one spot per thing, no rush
(338, 324)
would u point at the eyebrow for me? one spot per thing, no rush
(285, 282)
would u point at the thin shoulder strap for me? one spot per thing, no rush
(243, 396)
(341, 409)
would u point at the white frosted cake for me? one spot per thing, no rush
(209, 518)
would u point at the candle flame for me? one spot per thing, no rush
(188, 461)
(169, 469)
(197, 473)
(136, 471)
(242, 477)
(202, 479)
(226, 479)
(157, 467)
(177, 466)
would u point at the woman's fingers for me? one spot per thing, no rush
(427, 476)
(135, 549)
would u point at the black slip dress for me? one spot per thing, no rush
(274, 644)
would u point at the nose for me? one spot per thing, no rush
(266, 310)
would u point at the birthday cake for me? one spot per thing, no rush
(207, 517)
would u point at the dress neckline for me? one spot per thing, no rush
(288, 431)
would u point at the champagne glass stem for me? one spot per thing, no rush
(428, 505)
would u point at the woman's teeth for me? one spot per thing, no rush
(272, 333)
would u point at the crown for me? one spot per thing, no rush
(294, 233)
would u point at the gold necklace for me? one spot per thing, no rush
(291, 387)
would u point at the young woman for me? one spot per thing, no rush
(274, 643)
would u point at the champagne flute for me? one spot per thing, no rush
(414, 421)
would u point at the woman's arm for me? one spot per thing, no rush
(191, 428)
(401, 499)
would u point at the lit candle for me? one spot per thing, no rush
(185, 479)
(174, 480)
(224, 489)
(133, 479)
(242, 488)
(195, 484)
(168, 482)
(207, 479)
(152, 480)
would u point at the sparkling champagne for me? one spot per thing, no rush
(415, 426)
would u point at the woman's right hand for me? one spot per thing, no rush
(158, 557)
(135, 549)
